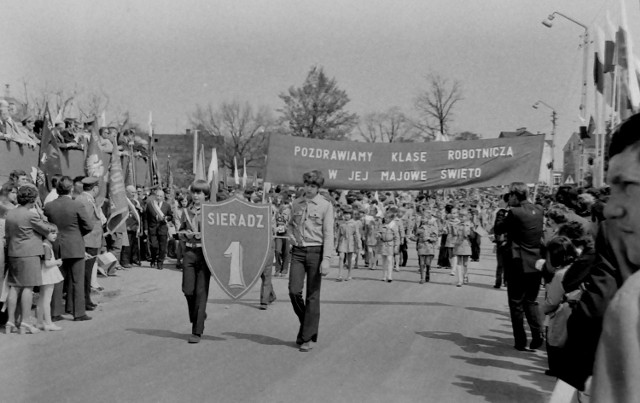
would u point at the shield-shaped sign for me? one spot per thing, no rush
(236, 240)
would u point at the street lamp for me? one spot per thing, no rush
(585, 49)
(554, 118)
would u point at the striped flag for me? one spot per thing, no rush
(212, 174)
(118, 205)
(235, 171)
(244, 173)
(200, 171)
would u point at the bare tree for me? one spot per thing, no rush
(244, 131)
(390, 126)
(435, 104)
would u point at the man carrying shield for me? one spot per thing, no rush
(195, 273)
(311, 234)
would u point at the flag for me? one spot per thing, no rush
(103, 119)
(96, 162)
(212, 174)
(118, 205)
(200, 171)
(129, 171)
(244, 173)
(265, 191)
(49, 161)
(629, 89)
(154, 175)
(169, 180)
(598, 63)
(235, 171)
(150, 124)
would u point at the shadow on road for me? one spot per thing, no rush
(500, 391)
(262, 339)
(170, 335)
(391, 303)
(492, 345)
(487, 310)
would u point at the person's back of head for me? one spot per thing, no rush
(519, 190)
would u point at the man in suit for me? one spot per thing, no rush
(93, 240)
(73, 223)
(131, 253)
(157, 214)
(523, 225)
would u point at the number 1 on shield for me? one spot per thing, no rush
(234, 251)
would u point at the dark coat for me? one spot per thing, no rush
(153, 223)
(524, 227)
(24, 230)
(73, 224)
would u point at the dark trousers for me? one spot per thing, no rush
(306, 261)
(130, 254)
(501, 258)
(443, 258)
(475, 246)
(404, 254)
(158, 247)
(195, 286)
(88, 268)
(283, 255)
(522, 291)
(73, 272)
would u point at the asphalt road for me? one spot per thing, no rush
(378, 342)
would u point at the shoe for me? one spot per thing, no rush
(138, 263)
(82, 318)
(383, 279)
(160, 265)
(263, 307)
(27, 328)
(90, 308)
(305, 347)
(9, 328)
(421, 281)
(390, 280)
(49, 327)
(536, 343)
(522, 348)
(194, 339)
(126, 266)
(339, 279)
(496, 286)
(459, 285)
(466, 280)
(348, 278)
(56, 318)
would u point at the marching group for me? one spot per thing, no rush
(582, 245)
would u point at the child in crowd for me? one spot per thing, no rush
(561, 253)
(426, 238)
(371, 230)
(462, 247)
(388, 244)
(348, 241)
(51, 275)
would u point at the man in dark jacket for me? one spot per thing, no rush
(524, 227)
(157, 214)
(73, 223)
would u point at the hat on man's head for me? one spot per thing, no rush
(130, 188)
(90, 180)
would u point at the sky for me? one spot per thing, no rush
(169, 56)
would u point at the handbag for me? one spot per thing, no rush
(557, 331)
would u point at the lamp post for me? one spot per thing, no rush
(554, 118)
(585, 49)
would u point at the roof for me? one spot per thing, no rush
(508, 135)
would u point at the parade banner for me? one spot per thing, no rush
(236, 241)
(405, 166)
